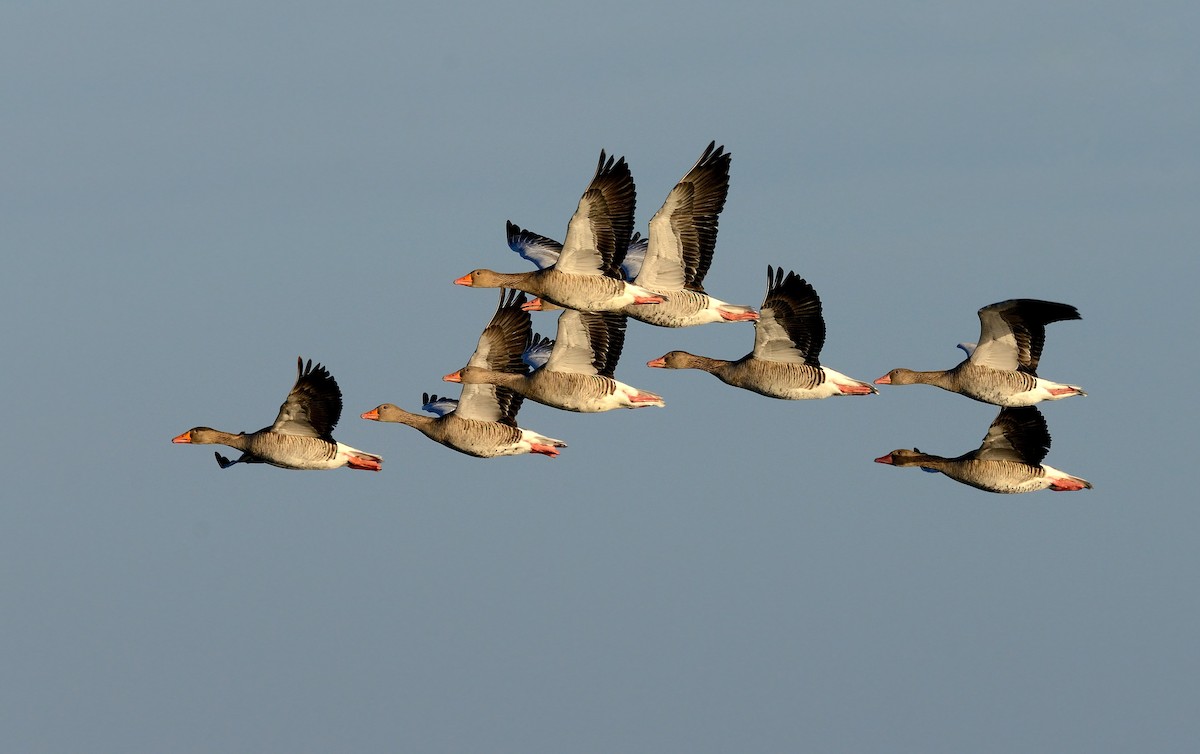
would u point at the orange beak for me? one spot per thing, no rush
(373, 415)
(884, 380)
(453, 377)
(464, 280)
(185, 437)
(659, 363)
(885, 459)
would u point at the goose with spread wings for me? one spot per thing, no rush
(484, 421)
(578, 375)
(1001, 368)
(679, 250)
(302, 435)
(788, 338)
(586, 275)
(1008, 461)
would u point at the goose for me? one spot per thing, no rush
(1002, 368)
(578, 375)
(587, 274)
(483, 422)
(787, 343)
(301, 437)
(683, 235)
(1008, 461)
(543, 251)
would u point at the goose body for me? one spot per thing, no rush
(586, 275)
(301, 437)
(680, 245)
(483, 423)
(543, 251)
(1002, 368)
(1009, 460)
(788, 338)
(578, 375)
(481, 438)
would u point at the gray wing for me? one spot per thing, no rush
(635, 256)
(1016, 434)
(683, 233)
(538, 352)
(438, 406)
(1012, 333)
(540, 250)
(587, 343)
(599, 232)
(314, 405)
(791, 327)
(500, 346)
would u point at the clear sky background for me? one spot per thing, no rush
(194, 195)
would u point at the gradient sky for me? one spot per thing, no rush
(193, 196)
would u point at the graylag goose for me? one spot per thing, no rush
(301, 437)
(683, 236)
(1002, 368)
(1009, 460)
(788, 337)
(484, 422)
(587, 275)
(543, 252)
(578, 375)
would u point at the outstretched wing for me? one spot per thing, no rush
(683, 233)
(314, 405)
(500, 346)
(790, 327)
(599, 232)
(538, 352)
(438, 406)
(1016, 434)
(540, 250)
(587, 343)
(1012, 333)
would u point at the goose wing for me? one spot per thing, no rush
(1016, 434)
(790, 327)
(683, 233)
(1012, 333)
(313, 406)
(587, 343)
(599, 232)
(500, 347)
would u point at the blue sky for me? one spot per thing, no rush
(194, 196)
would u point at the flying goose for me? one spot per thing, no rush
(1008, 461)
(682, 238)
(578, 375)
(484, 421)
(787, 345)
(1002, 368)
(301, 437)
(587, 275)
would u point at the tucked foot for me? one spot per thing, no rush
(857, 389)
(546, 450)
(1069, 484)
(647, 398)
(738, 316)
(364, 464)
(649, 299)
(1066, 391)
(532, 306)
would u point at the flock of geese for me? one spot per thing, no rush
(603, 274)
